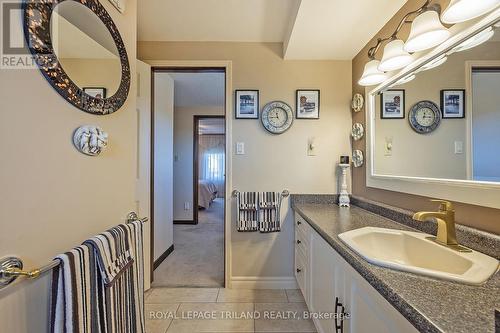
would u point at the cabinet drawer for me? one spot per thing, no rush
(301, 272)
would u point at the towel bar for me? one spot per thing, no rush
(284, 193)
(12, 267)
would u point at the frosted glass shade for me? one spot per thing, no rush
(405, 80)
(475, 40)
(434, 63)
(426, 32)
(395, 57)
(464, 10)
(371, 74)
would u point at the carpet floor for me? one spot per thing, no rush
(198, 256)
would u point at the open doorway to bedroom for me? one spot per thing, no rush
(198, 180)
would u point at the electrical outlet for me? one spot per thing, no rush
(186, 206)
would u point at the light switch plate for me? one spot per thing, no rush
(311, 147)
(240, 148)
(388, 146)
(459, 147)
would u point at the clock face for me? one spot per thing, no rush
(277, 117)
(425, 117)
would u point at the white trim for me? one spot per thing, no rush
(469, 65)
(468, 191)
(228, 65)
(264, 282)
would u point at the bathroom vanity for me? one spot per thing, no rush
(367, 298)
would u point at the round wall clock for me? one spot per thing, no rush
(277, 117)
(357, 102)
(357, 158)
(357, 131)
(424, 117)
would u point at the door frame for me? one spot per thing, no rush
(193, 65)
(196, 162)
(470, 65)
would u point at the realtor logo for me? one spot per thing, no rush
(14, 50)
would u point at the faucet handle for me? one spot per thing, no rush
(444, 206)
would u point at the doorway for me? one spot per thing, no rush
(196, 256)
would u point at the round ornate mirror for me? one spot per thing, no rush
(80, 52)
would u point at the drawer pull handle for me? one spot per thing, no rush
(339, 327)
(299, 270)
(299, 223)
(298, 241)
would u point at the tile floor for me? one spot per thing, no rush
(218, 310)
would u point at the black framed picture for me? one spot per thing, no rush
(307, 104)
(392, 104)
(453, 103)
(96, 92)
(246, 104)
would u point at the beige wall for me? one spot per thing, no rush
(183, 153)
(94, 73)
(53, 196)
(276, 162)
(480, 217)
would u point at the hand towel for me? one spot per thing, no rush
(247, 211)
(269, 211)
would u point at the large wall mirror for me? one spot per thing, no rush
(435, 128)
(80, 52)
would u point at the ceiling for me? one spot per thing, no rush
(198, 89)
(337, 29)
(214, 20)
(309, 29)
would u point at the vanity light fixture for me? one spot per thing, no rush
(434, 63)
(475, 40)
(372, 75)
(426, 32)
(395, 57)
(405, 79)
(464, 10)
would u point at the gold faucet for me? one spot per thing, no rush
(445, 219)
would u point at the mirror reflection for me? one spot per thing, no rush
(444, 120)
(85, 49)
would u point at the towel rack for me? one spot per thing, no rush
(12, 267)
(284, 193)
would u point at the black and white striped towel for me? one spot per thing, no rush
(247, 211)
(269, 211)
(99, 286)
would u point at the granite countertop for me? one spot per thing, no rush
(431, 305)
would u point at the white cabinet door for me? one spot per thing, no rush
(323, 282)
(369, 311)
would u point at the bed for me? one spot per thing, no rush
(207, 192)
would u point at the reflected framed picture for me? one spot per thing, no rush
(247, 104)
(307, 104)
(392, 104)
(96, 92)
(453, 103)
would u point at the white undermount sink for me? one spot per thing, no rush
(412, 252)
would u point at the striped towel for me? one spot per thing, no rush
(246, 204)
(269, 211)
(99, 286)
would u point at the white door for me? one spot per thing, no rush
(143, 173)
(163, 162)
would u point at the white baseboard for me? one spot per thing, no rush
(264, 282)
